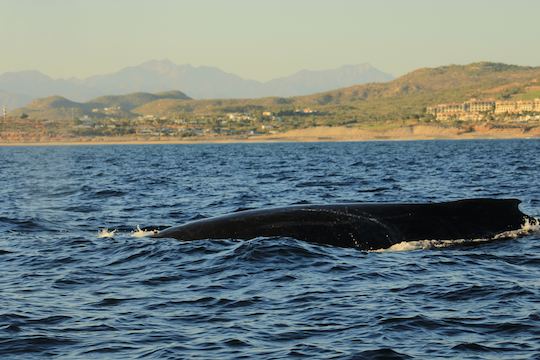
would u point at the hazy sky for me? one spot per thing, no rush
(263, 39)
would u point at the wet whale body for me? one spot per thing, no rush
(366, 226)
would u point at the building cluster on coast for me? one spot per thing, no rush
(474, 109)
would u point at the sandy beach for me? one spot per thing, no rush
(315, 134)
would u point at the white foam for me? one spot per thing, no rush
(529, 226)
(142, 233)
(105, 233)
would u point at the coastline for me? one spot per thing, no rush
(314, 134)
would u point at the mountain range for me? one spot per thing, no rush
(198, 82)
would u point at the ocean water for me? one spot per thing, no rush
(66, 293)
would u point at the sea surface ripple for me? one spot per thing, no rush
(67, 294)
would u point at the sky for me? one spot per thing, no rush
(264, 39)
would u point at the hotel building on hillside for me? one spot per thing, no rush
(517, 107)
(477, 109)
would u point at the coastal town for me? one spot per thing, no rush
(114, 121)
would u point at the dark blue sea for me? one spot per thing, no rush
(66, 293)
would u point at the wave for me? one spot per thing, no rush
(383, 353)
(136, 232)
(109, 193)
(32, 344)
(28, 225)
(147, 231)
(105, 233)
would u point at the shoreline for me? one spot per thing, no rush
(314, 134)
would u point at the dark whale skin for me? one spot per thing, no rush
(366, 226)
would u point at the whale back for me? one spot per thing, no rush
(309, 223)
(462, 219)
(365, 226)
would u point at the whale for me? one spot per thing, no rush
(364, 226)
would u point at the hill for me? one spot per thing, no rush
(130, 101)
(60, 108)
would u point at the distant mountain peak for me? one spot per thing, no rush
(54, 101)
(26, 75)
(163, 65)
(159, 61)
(307, 82)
